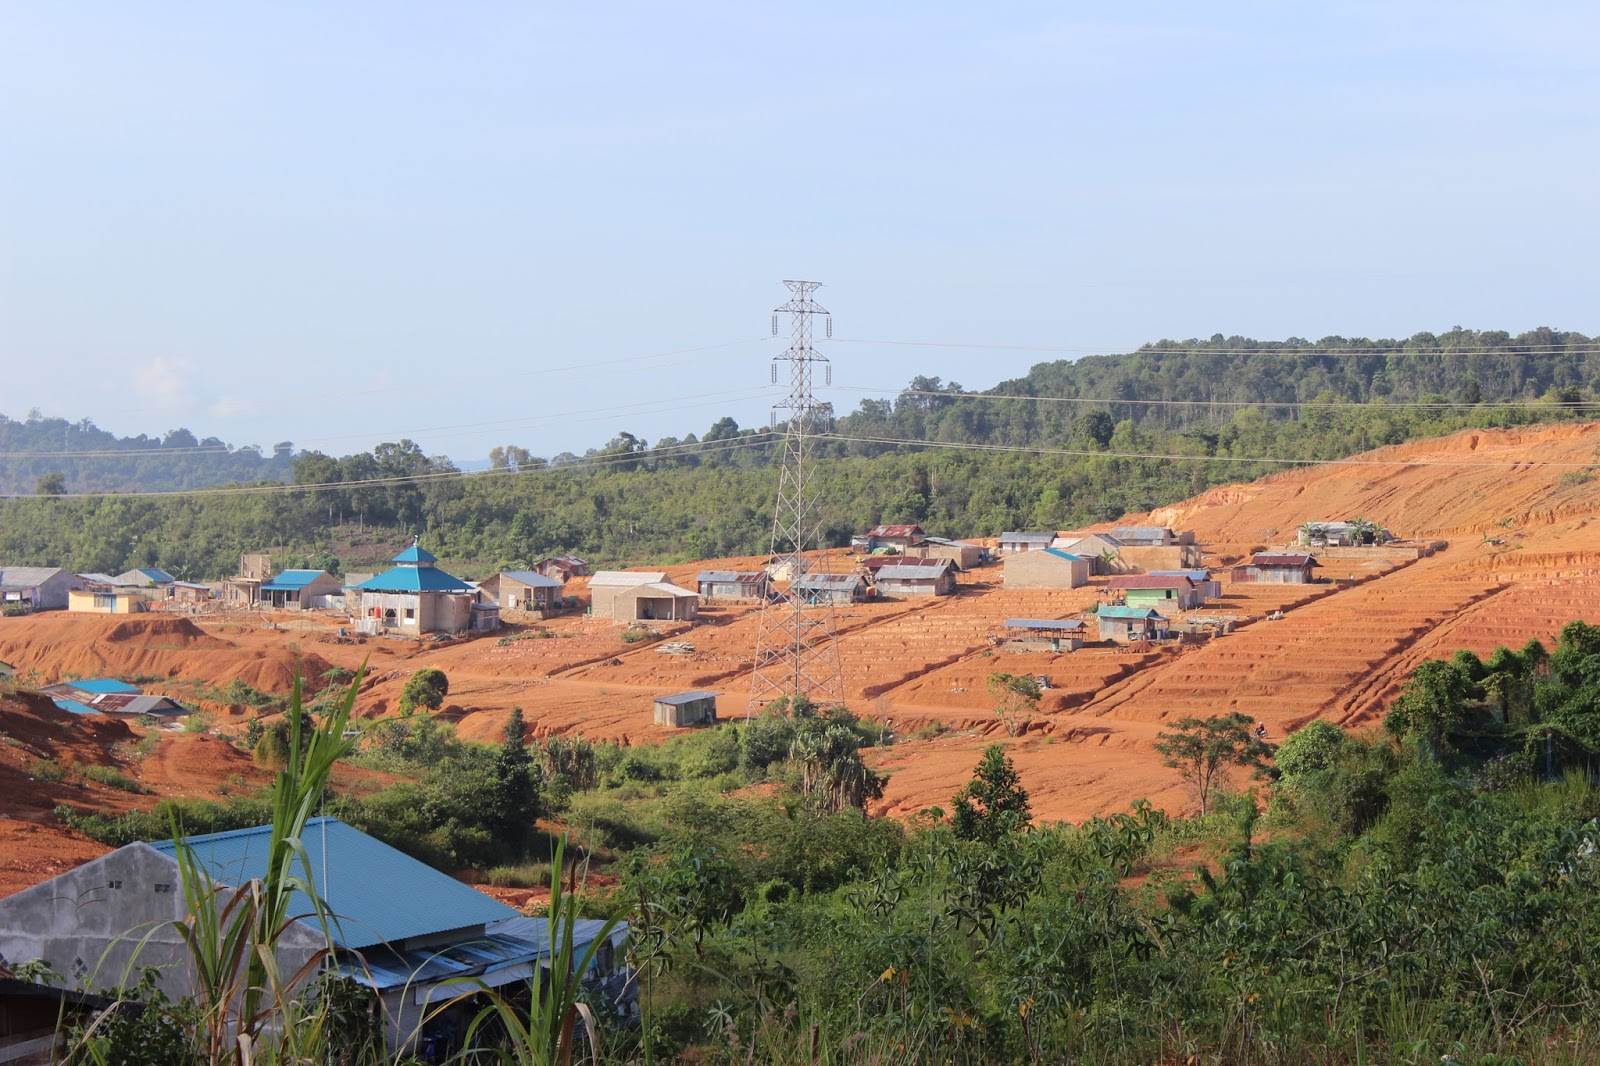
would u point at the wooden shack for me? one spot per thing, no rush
(1044, 634)
(687, 709)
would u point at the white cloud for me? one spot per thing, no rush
(163, 381)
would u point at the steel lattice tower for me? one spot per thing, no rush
(795, 650)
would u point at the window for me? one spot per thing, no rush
(107, 600)
(411, 614)
(114, 884)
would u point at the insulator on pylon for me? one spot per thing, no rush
(774, 325)
(774, 373)
(830, 325)
(827, 374)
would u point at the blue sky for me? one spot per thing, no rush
(470, 224)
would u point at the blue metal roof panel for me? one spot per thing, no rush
(72, 707)
(1044, 623)
(415, 554)
(292, 580)
(100, 685)
(1059, 554)
(531, 579)
(1129, 612)
(378, 894)
(156, 574)
(414, 579)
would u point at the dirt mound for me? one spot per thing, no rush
(169, 632)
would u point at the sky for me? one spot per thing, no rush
(543, 224)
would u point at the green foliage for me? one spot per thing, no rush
(47, 770)
(426, 688)
(993, 804)
(1204, 750)
(1315, 746)
(1016, 700)
(111, 777)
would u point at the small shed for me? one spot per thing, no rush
(1276, 568)
(686, 709)
(522, 590)
(1152, 590)
(964, 555)
(1050, 568)
(1126, 625)
(738, 585)
(1045, 634)
(899, 581)
(562, 567)
(298, 590)
(830, 588)
(900, 537)
(1016, 543)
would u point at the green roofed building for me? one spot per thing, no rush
(1128, 624)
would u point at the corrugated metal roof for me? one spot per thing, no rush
(1281, 559)
(95, 685)
(25, 578)
(730, 577)
(902, 572)
(1044, 623)
(531, 579)
(144, 577)
(1196, 576)
(1150, 581)
(664, 588)
(383, 968)
(99, 579)
(895, 531)
(828, 581)
(1126, 533)
(1129, 612)
(415, 554)
(379, 895)
(626, 578)
(681, 698)
(413, 579)
(123, 703)
(1059, 554)
(1027, 538)
(946, 542)
(292, 580)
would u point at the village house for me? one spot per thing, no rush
(899, 581)
(414, 936)
(562, 568)
(1103, 551)
(1149, 590)
(415, 597)
(964, 555)
(103, 599)
(1276, 568)
(1016, 543)
(1050, 568)
(194, 593)
(830, 588)
(898, 538)
(1140, 548)
(1359, 533)
(640, 596)
(522, 590)
(1126, 625)
(145, 577)
(737, 586)
(1210, 588)
(37, 588)
(117, 699)
(1044, 634)
(244, 590)
(1145, 536)
(300, 590)
(686, 709)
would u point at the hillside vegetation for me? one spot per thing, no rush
(1142, 430)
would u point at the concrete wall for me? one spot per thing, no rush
(1171, 557)
(1041, 570)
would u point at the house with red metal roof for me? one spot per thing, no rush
(1276, 568)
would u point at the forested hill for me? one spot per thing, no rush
(1136, 431)
(40, 454)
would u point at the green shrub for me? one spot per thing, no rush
(426, 688)
(111, 776)
(48, 770)
(636, 636)
(521, 875)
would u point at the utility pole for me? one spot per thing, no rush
(796, 652)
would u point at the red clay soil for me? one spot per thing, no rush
(1524, 558)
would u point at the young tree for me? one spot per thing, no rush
(516, 784)
(1016, 700)
(1203, 750)
(427, 688)
(993, 803)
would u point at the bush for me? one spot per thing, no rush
(111, 776)
(1316, 746)
(427, 688)
(48, 770)
(522, 875)
(198, 722)
(637, 636)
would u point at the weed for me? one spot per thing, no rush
(48, 770)
(111, 777)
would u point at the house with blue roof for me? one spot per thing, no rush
(1046, 568)
(416, 937)
(299, 590)
(415, 597)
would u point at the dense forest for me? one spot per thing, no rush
(1069, 443)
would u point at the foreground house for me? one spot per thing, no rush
(523, 590)
(1276, 568)
(413, 935)
(37, 588)
(1049, 568)
(416, 597)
